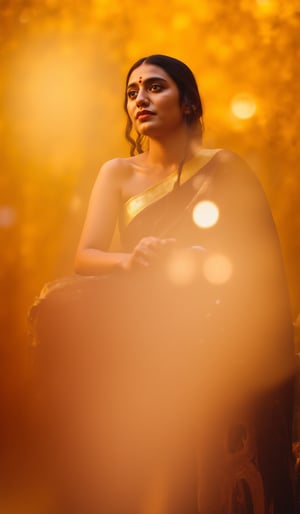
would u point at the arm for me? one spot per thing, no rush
(93, 256)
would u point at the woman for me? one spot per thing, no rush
(193, 315)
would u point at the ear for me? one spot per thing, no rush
(187, 108)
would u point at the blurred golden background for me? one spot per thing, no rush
(63, 67)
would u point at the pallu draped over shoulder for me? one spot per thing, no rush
(162, 196)
(166, 389)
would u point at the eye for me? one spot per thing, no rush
(156, 88)
(132, 94)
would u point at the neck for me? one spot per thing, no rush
(171, 151)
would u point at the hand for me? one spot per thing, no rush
(148, 250)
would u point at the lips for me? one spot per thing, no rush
(144, 114)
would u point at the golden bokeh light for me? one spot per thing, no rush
(267, 6)
(243, 106)
(7, 216)
(205, 214)
(217, 269)
(181, 21)
(181, 267)
(49, 98)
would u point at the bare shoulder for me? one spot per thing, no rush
(117, 168)
(112, 174)
(114, 167)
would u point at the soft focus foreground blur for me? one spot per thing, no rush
(61, 93)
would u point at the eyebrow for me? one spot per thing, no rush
(147, 81)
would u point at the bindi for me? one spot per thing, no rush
(140, 80)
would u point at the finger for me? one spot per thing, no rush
(151, 242)
(169, 241)
(140, 261)
(155, 242)
(147, 252)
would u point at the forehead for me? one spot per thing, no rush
(146, 71)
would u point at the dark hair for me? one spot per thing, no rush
(187, 87)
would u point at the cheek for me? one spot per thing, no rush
(173, 111)
(130, 112)
(128, 105)
(171, 104)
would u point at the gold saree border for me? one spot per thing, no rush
(135, 204)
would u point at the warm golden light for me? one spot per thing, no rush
(75, 203)
(217, 269)
(49, 99)
(181, 21)
(243, 106)
(181, 267)
(205, 214)
(63, 69)
(266, 6)
(7, 216)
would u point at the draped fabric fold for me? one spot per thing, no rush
(140, 201)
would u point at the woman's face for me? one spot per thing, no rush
(153, 101)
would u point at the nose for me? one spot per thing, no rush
(142, 98)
